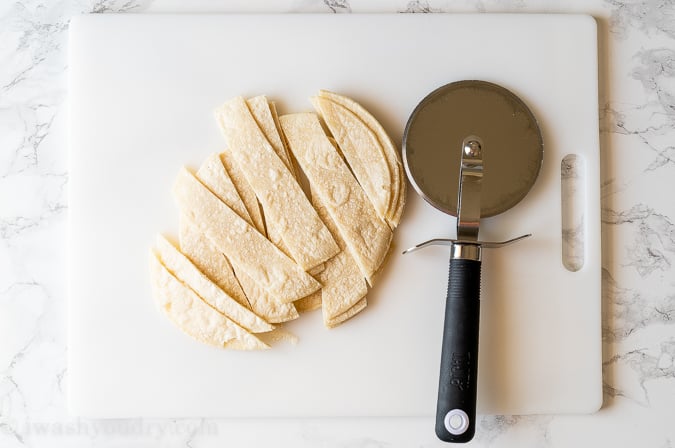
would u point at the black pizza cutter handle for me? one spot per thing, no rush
(456, 408)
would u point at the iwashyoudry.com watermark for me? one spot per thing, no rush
(118, 428)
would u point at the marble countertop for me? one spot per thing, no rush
(637, 111)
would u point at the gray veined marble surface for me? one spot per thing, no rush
(572, 173)
(637, 109)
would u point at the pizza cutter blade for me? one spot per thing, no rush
(471, 149)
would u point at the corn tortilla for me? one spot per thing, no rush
(282, 199)
(194, 316)
(245, 247)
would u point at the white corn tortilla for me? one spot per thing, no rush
(186, 272)
(214, 264)
(342, 280)
(194, 316)
(366, 235)
(351, 312)
(275, 116)
(361, 149)
(263, 113)
(310, 303)
(245, 191)
(245, 247)
(390, 151)
(210, 261)
(263, 303)
(282, 199)
(214, 176)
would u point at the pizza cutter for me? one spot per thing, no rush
(471, 149)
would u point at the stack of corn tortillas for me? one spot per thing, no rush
(259, 243)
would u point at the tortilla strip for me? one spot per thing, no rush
(351, 312)
(194, 316)
(251, 204)
(245, 247)
(390, 151)
(317, 269)
(367, 237)
(277, 336)
(277, 190)
(261, 110)
(208, 258)
(394, 218)
(264, 115)
(361, 149)
(310, 303)
(213, 175)
(186, 272)
(212, 263)
(260, 302)
(275, 117)
(263, 303)
(343, 283)
(216, 178)
(245, 191)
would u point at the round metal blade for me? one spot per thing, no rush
(512, 145)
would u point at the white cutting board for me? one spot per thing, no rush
(142, 92)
